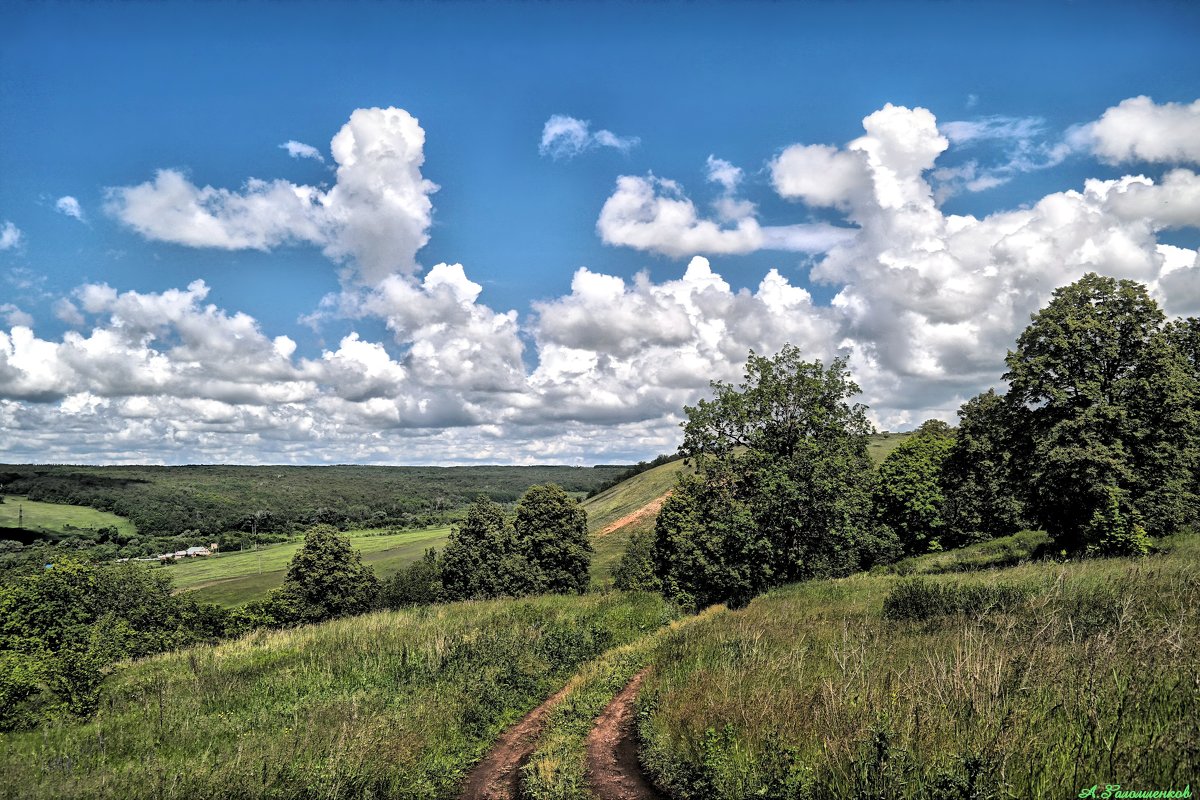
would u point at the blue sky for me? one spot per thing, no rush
(96, 99)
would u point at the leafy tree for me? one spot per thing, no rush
(783, 484)
(551, 533)
(325, 579)
(978, 476)
(1103, 400)
(635, 570)
(419, 583)
(909, 497)
(479, 555)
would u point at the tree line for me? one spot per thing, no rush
(1096, 441)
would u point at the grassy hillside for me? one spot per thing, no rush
(235, 578)
(57, 518)
(395, 705)
(622, 503)
(1033, 681)
(882, 444)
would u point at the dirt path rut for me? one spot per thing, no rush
(498, 776)
(613, 769)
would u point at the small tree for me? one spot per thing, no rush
(473, 563)
(419, 583)
(909, 498)
(551, 533)
(1115, 531)
(327, 578)
(978, 476)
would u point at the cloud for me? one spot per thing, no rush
(1012, 146)
(1138, 129)
(10, 236)
(929, 302)
(925, 306)
(301, 150)
(14, 316)
(654, 214)
(376, 216)
(70, 206)
(565, 137)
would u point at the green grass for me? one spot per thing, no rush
(882, 445)
(388, 705)
(56, 517)
(232, 579)
(617, 502)
(809, 692)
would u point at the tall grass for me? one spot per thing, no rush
(395, 705)
(1086, 673)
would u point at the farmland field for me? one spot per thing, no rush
(56, 517)
(231, 579)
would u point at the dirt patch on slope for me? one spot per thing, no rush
(613, 769)
(498, 776)
(648, 510)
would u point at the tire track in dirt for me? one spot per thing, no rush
(498, 776)
(614, 772)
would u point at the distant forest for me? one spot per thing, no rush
(209, 500)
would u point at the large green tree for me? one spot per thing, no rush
(478, 557)
(551, 533)
(979, 478)
(783, 484)
(909, 497)
(1105, 409)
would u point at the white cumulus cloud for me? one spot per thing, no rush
(376, 216)
(654, 214)
(1138, 129)
(10, 236)
(301, 150)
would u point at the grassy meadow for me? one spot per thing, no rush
(56, 517)
(232, 579)
(1035, 681)
(387, 705)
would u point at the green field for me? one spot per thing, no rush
(232, 579)
(396, 705)
(882, 445)
(56, 518)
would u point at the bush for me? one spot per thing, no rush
(635, 571)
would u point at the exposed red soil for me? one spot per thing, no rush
(498, 776)
(648, 510)
(613, 769)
